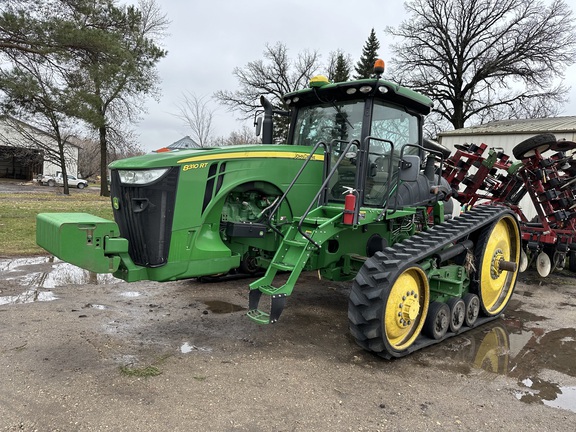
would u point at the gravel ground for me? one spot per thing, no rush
(182, 356)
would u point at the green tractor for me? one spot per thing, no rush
(355, 194)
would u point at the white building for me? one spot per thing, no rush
(26, 151)
(506, 134)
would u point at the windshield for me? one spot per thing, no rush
(392, 124)
(342, 121)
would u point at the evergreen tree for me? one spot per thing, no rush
(341, 69)
(99, 56)
(365, 66)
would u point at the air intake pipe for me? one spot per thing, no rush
(268, 124)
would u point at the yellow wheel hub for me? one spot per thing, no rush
(406, 308)
(495, 268)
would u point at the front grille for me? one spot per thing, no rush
(144, 216)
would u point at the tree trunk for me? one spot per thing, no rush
(458, 114)
(64, 172)
(104, 191)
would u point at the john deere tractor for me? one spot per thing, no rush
(355, 193)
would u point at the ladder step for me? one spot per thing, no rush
(258, 316)
(282, 266)
(295, 243)
(316, 220)
(268, 289)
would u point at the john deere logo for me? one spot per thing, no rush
(115, 203)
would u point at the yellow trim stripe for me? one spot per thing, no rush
(252, 155)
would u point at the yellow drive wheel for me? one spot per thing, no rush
(498, 258)
(406, 305)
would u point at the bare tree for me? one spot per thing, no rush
(196, 113)
(273, 76)
(121, 144)
(481, 60)
(245, 135)
(32, 92)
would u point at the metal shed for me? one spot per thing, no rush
(506, 134)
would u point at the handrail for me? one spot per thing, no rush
(279, 202)
(323, 187)
(435, 152)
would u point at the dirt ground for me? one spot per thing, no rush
(182, 356)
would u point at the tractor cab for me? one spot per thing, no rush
(371, 132)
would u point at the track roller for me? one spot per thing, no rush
(389, 307)
(438, 320)
(457, 313)
(472, 304)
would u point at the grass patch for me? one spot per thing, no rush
(18, 215)
(140, 372)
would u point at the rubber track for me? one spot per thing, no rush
(365, 310)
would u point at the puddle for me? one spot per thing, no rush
(130, 294)
(549, 394)
(94, 306)
(221, 307)
(517, 348)
(186, 348)
(49, 272)
(29, 296)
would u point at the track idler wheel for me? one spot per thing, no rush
(388, 306)
(498, 255)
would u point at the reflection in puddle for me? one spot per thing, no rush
(49, 272)
(519, 349)
(28, 296)
(222, 307)
(186, 348)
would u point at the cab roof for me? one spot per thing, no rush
(380, 89)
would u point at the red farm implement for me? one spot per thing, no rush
(546, 172)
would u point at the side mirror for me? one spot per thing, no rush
(409, 168)
(258, 124)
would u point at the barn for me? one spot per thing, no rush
(506, 134)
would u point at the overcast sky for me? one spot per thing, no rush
(208, 39)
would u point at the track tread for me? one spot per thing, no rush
(365, 304)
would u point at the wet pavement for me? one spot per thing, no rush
(48, 272)
(533, 345)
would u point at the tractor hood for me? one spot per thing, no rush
(175, 158)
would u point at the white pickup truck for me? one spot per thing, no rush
(73, 181)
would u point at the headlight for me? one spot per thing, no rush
(141, 177)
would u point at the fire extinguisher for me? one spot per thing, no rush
(349, 206)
